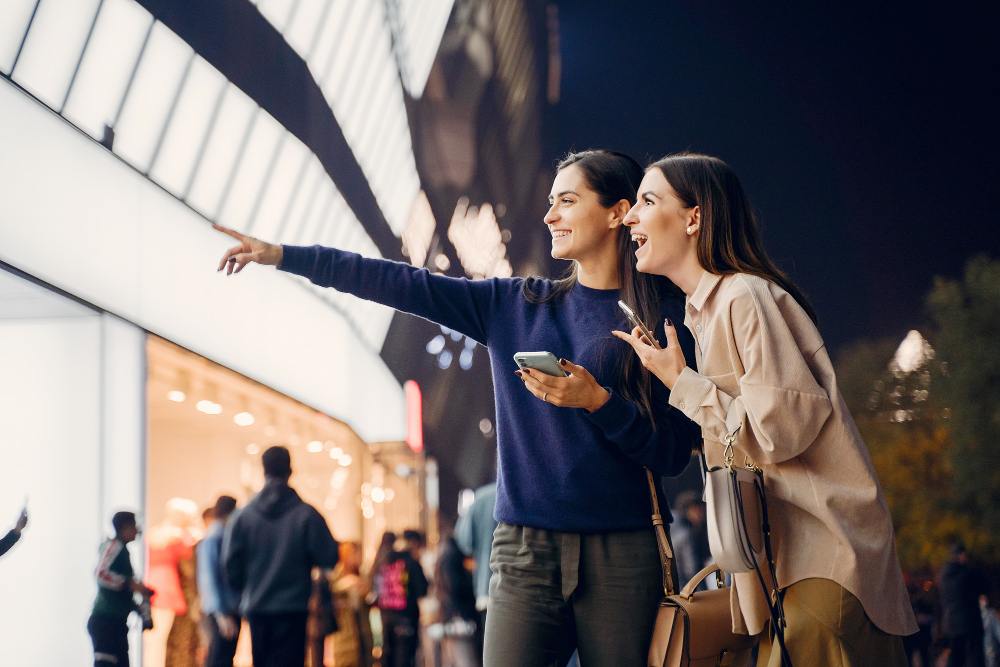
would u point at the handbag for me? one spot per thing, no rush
(739, 534)
(693, 628)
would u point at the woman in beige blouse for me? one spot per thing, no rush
(765, 375)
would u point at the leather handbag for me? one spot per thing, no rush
(695, 628)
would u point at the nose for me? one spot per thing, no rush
(551, 216)
(632, 218)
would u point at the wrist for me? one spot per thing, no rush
(600, 398)
(277, 253)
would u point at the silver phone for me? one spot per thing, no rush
(544, 362)
(636, 322)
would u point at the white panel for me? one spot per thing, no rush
(53, 48)
(219, 160)
(346, 50)
(308, 231)
(305, 199)
(108, 63)
(252, 170)
(305, 25)
(14, 17)
(186, 133)
(152, 93)
(287, 170)
(422, 25)
(276, 11)
(260, 323)
(363, 61)
(49, 445)
(327, 40)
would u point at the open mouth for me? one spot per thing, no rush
(640, 239)
(558, 234)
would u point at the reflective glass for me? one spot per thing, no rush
(185, 134)
(151, 96)
(14, 17)
(252, 170)
(365, 59)
(108, 63)
(53, 48)
(286, 171)
(219, 159)
(346, 49)
(328, 38)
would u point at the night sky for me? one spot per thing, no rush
(866, 137)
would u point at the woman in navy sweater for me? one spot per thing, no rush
(575, 560)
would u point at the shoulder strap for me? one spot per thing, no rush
(662, 541)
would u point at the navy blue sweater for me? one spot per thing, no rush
(558, 468)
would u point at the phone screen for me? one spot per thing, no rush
(636, 322)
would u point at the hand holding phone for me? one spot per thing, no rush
(544, 362)
(637, 323)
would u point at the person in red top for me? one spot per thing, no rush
(400, 582)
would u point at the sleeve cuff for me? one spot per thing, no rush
(689, 392)
(610, 415)
(297, 259)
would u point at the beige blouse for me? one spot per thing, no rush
(763, 368)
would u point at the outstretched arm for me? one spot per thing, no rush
(463, 305)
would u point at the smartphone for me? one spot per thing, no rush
(545, 362)
(636, 322)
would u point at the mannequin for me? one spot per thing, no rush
(169, 541)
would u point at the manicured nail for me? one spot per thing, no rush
(517, 373)
(562, 362)
(669, 323)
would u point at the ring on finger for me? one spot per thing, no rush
(544, 395)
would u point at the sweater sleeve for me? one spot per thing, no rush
(467, 306)
(781, 408)
(663, 446)
(8, 541)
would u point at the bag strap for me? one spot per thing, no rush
(662, 542)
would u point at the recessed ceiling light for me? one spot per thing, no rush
(208, 407)
(253, 448)
(314, 446)
(345, 460)
(176, 396)
(243, 419)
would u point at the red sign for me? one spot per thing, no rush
(414, 416)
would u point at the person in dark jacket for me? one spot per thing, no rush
(116, 585)
(963, 624)
(400, 582)
(11, 538)
(269, 550)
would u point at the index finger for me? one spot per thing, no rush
(225, 230)
(544, 379)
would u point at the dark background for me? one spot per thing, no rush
(866, 136)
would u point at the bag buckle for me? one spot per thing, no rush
(729, 454)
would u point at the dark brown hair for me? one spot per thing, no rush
(729, 240)
(613, 177)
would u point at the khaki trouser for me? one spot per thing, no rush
(554, 592)
(828, 627)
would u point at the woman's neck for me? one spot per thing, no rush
(599, 272)
(688, 275)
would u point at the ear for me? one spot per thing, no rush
(694, 221)
(618, 213)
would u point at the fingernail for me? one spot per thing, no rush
(562, 362)
(517, 373)
(669, 323)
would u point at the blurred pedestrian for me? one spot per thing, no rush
(991, 632)
(474, 536)
(459, 618)
(268, 551)
(116, 586)
(11, 538)
(690, 537)
(352, 643)
(960, 589)
(572, 496)
(220, 602)
(400, 584)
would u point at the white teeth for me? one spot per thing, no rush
(640, 238)
(560, 234)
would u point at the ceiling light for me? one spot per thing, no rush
(436, 344)
(345, 460)
(314, 446)
(176, 396)
(444, 359)
(389, 495)
(253, 448)
(208, 407)
(336, 453)
(465, 359)
(243, 419)
(378, 495)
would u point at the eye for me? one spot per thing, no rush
(567, 201)
(649, 202)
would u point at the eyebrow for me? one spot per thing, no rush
(650, 192)
(565, 192)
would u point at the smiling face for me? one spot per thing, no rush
(581, 228)
(664, 229)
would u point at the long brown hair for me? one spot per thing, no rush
(729, 240)
(613, 177)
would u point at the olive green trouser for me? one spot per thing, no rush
(553, 592)
(828, 627)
